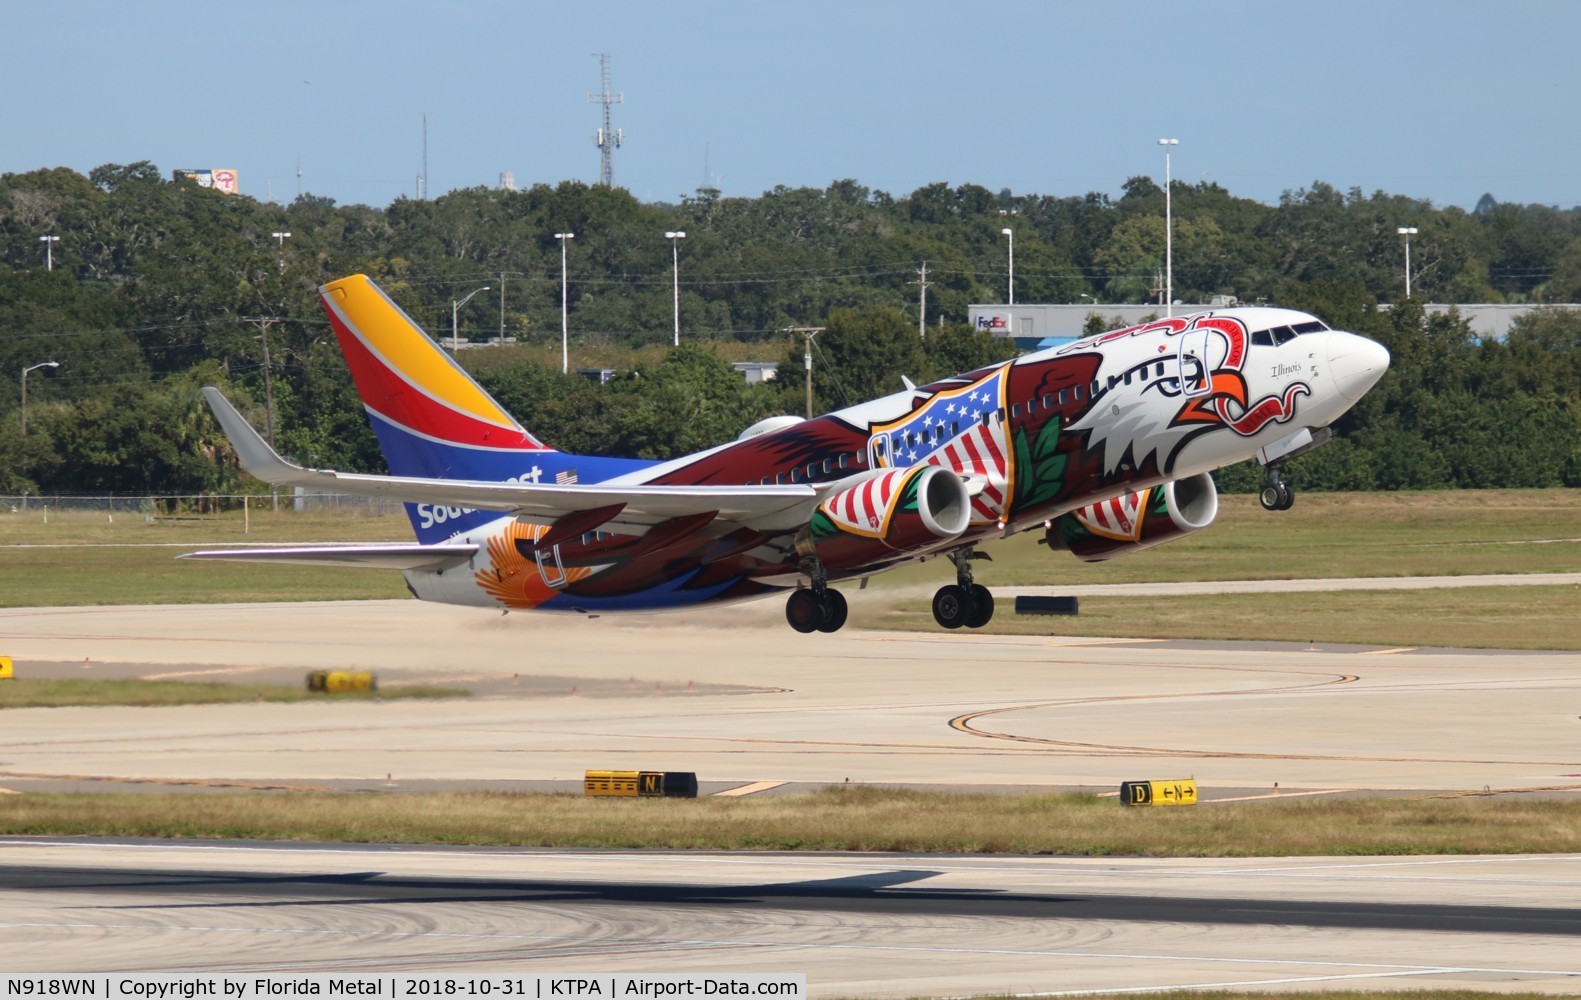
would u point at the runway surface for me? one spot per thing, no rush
(864, 925)
(731, 695)
(734, 696)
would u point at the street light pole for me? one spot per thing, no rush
(1407, 232)
(49, 250)
(29, 368)
(675, 256)
(1012, 279)
(455, 310)
(1169, 233)
(565, 342)
(280, 236)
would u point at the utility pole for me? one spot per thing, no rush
(922, 284)
(609, 137)
(807, 332)
(502, 307)
(263, 323)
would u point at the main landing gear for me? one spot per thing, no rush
(817, 608)
(1276, 494)
(963, 602)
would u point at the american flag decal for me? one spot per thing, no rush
(1119, 518)
(565, 478)
(964, 429)
(866, 509)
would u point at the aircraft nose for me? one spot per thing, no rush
(1355, 363)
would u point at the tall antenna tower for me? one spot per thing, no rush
(609, 138)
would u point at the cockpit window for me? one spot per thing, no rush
(1285, 334)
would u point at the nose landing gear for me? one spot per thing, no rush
(1276, 494)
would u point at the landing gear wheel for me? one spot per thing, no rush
(832, 611)
(952, 606)
(982, 602)
(803, 611)
(1276, 496)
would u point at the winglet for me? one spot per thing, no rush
(254, 452)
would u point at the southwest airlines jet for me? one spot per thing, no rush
(1106, 445)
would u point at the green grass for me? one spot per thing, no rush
(1447, 533)
(834, 819)
(26, 692)
(1469, 617)
(90, 560)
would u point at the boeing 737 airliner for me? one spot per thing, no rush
(1106, 445)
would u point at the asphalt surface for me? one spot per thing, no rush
(753, 709)
(858, 925)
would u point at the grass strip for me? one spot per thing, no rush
(31, 692)
(833, 819)
(1462, 617)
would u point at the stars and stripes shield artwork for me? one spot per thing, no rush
(962, 428)
(867, 510)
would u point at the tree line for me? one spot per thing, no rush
(157, 287)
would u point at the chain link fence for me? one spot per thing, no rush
(171, 505)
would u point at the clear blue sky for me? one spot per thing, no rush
(1442, 100)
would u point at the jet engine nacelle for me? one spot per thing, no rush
(894, 511)
(1136, 521)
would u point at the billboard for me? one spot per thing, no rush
(222, 179)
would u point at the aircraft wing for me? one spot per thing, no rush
(770, 507)
(401, 556)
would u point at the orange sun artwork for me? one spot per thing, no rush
(518, 581)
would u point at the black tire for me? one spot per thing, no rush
(982, 600)
(951, 606)
(1271, 496)
(1287, 497)
(803, 611)
(833, 610)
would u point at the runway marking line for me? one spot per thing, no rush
(1389, 652)
(1282, 795)
(1099, 642)
(752, 789)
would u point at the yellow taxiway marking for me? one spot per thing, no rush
(752, 789)
(1284, 795)
(1387, 652)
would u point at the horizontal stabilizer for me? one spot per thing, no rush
(407, 556)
